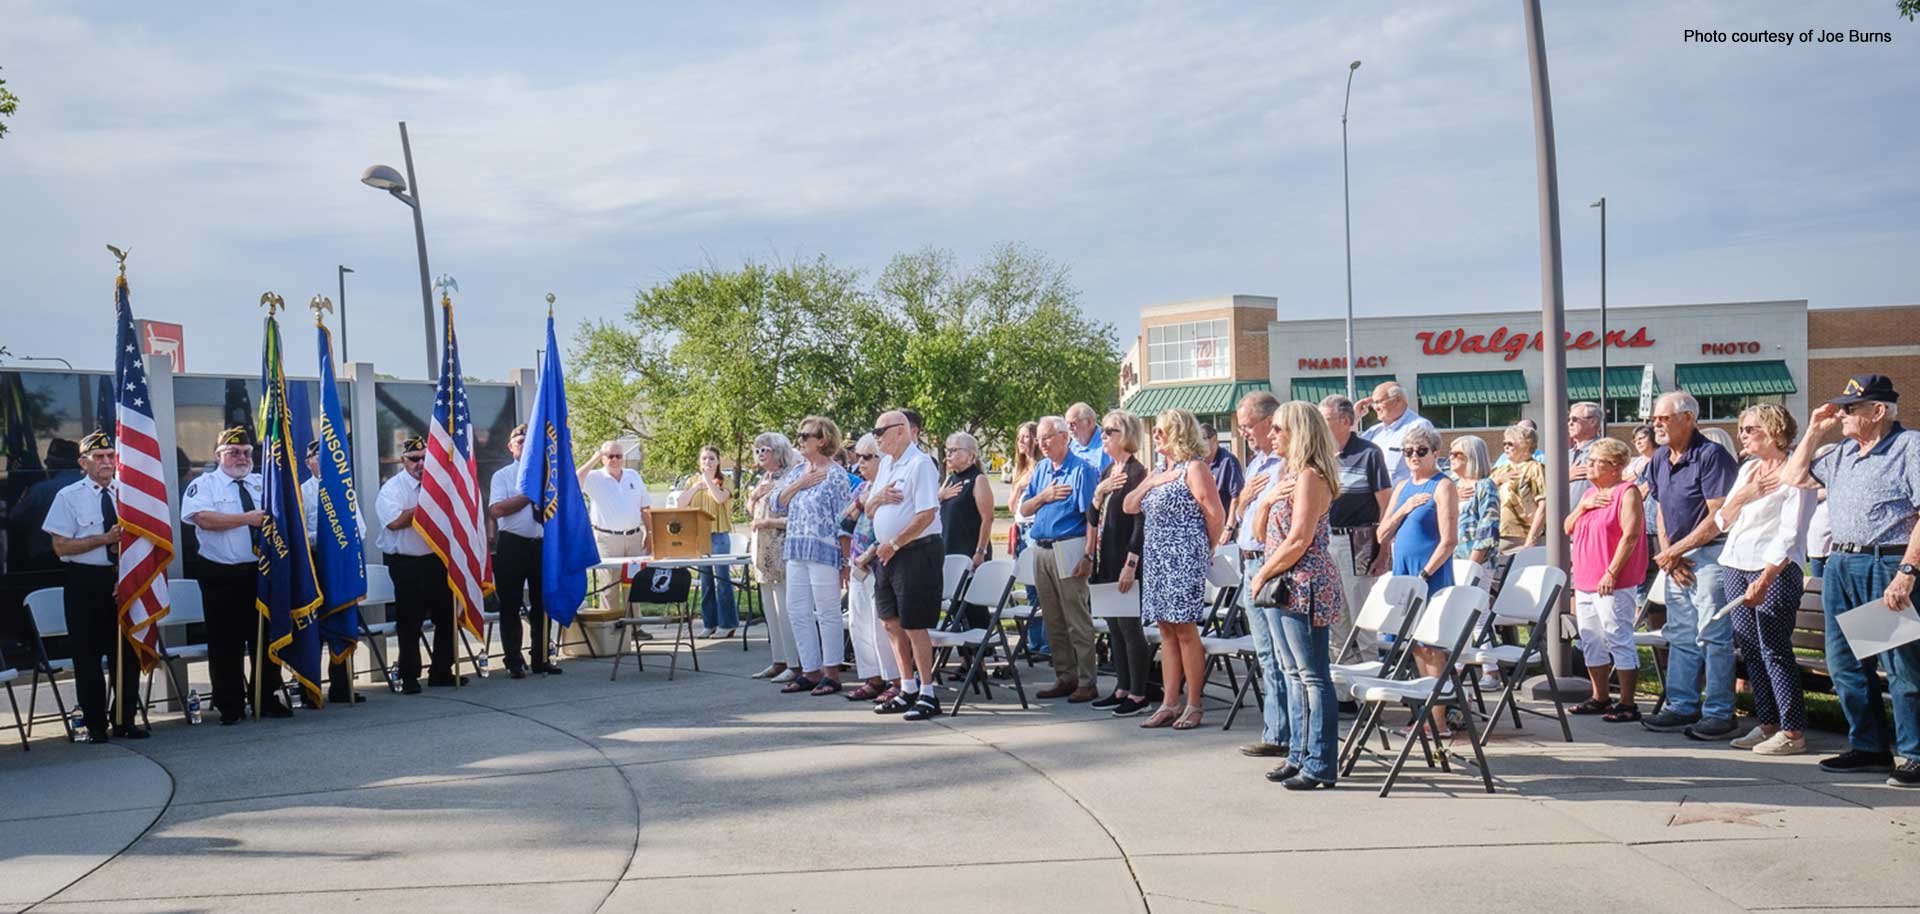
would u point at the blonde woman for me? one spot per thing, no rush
(1115, 545)
(1294, 517)
(1183, 521)
(813, 499)
(773, 455)
(1523, 486)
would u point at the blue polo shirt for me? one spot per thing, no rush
(1705, 471)
(1872, 497)
(1093, 452)
(1066, 518)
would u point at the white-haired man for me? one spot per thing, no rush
(619, 509)
(1084, 425)
(904, 499)
(1059, 493)
(1389, 404)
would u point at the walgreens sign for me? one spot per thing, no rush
(1512, 343)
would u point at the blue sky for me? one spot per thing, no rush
(1162, 151)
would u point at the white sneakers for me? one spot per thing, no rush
(1777, 744)
(786, 675)
(766, 673)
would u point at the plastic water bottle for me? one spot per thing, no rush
(393, 676)
(76, 725)
(193, 706)
(480, 662)
(294, 697)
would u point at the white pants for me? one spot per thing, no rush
(1606, 628)
(872, 649)
(813, 609)
(779, 633)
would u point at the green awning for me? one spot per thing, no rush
(1208, 399)
(1623, 382)
(1473, 388)
(1733, 379)
(1313, 390)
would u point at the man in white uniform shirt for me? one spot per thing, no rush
(420, 588)
(1389, 403)
(905, 500)
(84, 525)
(223, 505)
(339, 675)
(516, 563)
(619, 509)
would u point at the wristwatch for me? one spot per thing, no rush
(1910, 570)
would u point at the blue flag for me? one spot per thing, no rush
(339, 559)
(288, 594)
(302, 424)
(547, 477)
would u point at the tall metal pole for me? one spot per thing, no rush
(420, 241)
(1552, 317)
(344, 270)
(1346, 205)
(1604, 415)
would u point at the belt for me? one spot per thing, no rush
(1858, 549)
(618, 532)
(1048, 544)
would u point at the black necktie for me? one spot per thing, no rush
(246, 497)
(109, 517)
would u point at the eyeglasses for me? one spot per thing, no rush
(1456, 455)
(1109, 430)
(1857, 409)
(414, 459)
(881, 431)
(613, 456)
(1657, 419)
(1417, 451)
(1751, 429)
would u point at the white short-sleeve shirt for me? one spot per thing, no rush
(918, 481)
(398, 494)
(615, 504)
(215, 491)
(505, 485)
(75, 513)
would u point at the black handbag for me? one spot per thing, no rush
(1277, 593)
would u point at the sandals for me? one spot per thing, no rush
(1592, 706)
(1160, 718)
(1622, 714)
(827, 687)
(1190, 719)
(799, 684)
(866, 692)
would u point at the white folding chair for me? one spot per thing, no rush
(186, 606)
(1469, 573)
(1024, 612)
(1531, 597)
(7, 676)
(953, 577)
(1230, 639)
(989, 585)
(48, 609)
(379, 595)
(746, 596)
(1654, 638)
(1391, 605)
(1447, 624)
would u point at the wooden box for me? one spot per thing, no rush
(680, 533)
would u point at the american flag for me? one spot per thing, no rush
(146, 536)
(449, 514)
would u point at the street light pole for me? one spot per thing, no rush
(1553, 315)
(382, 177)
(344, 270)
(1346, 205)
(1603, 313)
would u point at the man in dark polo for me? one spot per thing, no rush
(1873, 497)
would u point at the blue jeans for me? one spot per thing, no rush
(1850, 581)
(1686, 607)
(1264, 624)
(717, 609)
(1310, 696)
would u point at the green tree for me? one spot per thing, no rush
(9, 103)
(1909, 8)
(715, 356)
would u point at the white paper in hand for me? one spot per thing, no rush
(1871, 629)
(1109, 603)
(1067, 555)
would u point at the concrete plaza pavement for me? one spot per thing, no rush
(713, 792)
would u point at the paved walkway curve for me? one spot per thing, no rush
(715, 793)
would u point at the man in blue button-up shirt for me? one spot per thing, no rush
(1057, 497)
(1688, 478)
(1083, 424)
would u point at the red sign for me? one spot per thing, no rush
(1504, 339)
(1339, 362)
(1203, 354)
(1750, 347)
(161, 338)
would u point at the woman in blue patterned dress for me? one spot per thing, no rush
(1183, 521)
(1293, 515)
(815, 494)
(1479, 524)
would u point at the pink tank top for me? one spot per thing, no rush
(1596, 536)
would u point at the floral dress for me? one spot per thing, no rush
(1175, 555)
(1479, 523)
(1315, 578)
(770, 544)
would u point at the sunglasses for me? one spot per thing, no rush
(866, 457)
(882, 430)
(613, 457)
(1751, 429)
(414, 459)
(1109, 430)
(809, 436)
(1417, 451)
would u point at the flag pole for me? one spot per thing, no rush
(119, 672)
(259, 660)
